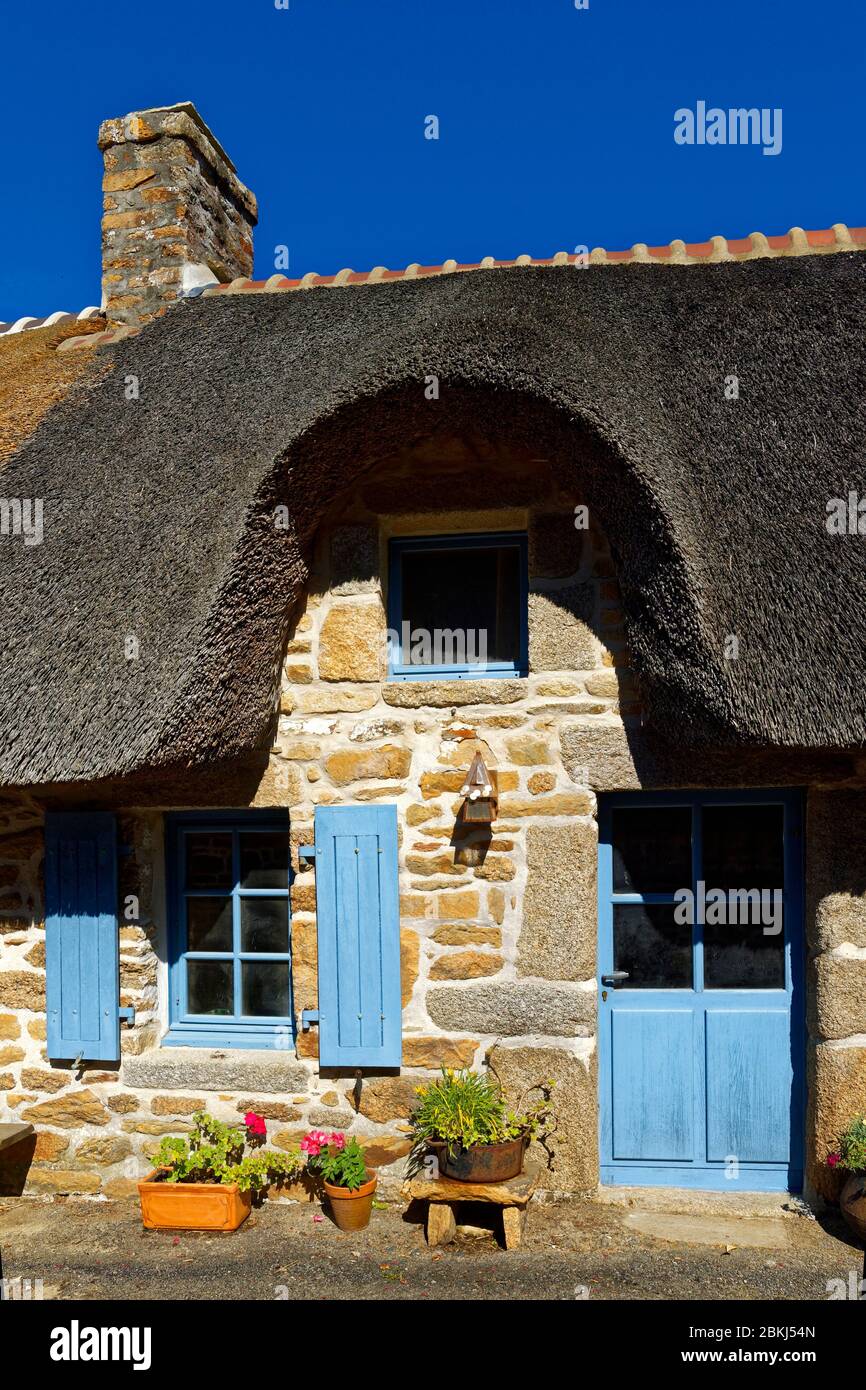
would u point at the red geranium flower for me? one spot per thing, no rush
(254, 1123)
(833, 1160)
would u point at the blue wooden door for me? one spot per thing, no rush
(701, 1024)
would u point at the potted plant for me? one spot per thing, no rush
(462, 1122)
(205, 1182)
(347, 1184)
(851, 1157)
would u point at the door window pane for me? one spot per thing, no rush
(739, 955)
(209, 860)
(652, 849)
(265, 924)
(264, 859)
(654, 949)
(265, 988)
(209, 924)
(743, 846)
(209, 986)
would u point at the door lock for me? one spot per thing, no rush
(615, 978)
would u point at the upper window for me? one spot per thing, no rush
(229, 924)
(457, 607)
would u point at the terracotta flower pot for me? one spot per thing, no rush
(192, 1206)
(481, 1162)
(852, 1203)
(351, 1210)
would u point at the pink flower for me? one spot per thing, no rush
(254, 1123)
(313, 1143)
(833, 1160)
(338, 1140)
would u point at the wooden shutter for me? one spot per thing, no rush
(358, 916)
(81, 935)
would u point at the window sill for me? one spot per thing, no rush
(508, 673)
(497, 690)
(202, 1068)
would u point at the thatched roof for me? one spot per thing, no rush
(34, 376)
(158, 511)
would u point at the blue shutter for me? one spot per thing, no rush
(358, 916)
(81, 936)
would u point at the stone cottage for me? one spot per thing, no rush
(282, 560)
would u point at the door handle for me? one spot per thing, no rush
(615, 978)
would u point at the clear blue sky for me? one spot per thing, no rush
(556, 125)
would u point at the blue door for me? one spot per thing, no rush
(701, 1022)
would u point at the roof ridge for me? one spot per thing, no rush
(719, 249)
(756, 246)
(26, 322)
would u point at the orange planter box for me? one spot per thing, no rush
(192, 1206)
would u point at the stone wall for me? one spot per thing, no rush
(836, 983)
(498, 929)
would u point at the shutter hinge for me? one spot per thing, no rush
(128, 1014)
(307, 853)
(308, 1016)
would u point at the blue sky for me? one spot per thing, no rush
(556, 124)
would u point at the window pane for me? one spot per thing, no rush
(652, 849)
(209, 986)
(265, 986)
(264, 924)
(209, 860)
(208, 924)
(472, 597)
(739, 955)
(652, 947)
(264, 859)
(743, 847)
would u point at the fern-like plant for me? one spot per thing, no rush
(214, 1152)
(465, 1108)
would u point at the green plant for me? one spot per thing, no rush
(851, 1152)
(339, 1160)
(214, 1152)
(464, 1108)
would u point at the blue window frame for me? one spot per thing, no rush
(458, 607)
(230, 980)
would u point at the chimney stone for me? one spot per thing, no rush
(175, 213)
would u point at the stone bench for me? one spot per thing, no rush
(442, 1195)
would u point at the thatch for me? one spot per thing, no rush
(158, 511)
(34, 376)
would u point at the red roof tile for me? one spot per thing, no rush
(796, 242)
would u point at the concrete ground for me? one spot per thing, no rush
(645, 1247)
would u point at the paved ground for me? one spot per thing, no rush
(84, 1249)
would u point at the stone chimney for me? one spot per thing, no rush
(175, 213)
